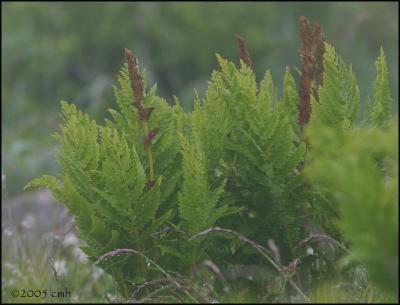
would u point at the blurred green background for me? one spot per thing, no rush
(72, 51)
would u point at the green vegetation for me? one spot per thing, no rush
(295, 185)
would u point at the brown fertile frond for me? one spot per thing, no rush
(304, 105)
(311, 53)
(136, 83)
(244, 53)
(305, 33)
(143, 112)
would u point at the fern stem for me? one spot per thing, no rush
(289, 239)
(149, 151)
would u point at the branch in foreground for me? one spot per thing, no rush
(259, 248)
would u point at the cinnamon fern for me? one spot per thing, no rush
(148, 186)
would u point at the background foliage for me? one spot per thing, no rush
(71, 51)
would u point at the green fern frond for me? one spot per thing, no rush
(198, 202)
(383, 101)
(290, 96)
(330, 109)
(351, 94)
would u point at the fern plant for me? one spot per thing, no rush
(368, 160)
(357, 167)
(116, 180)
(261, 153)
(149, 186)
